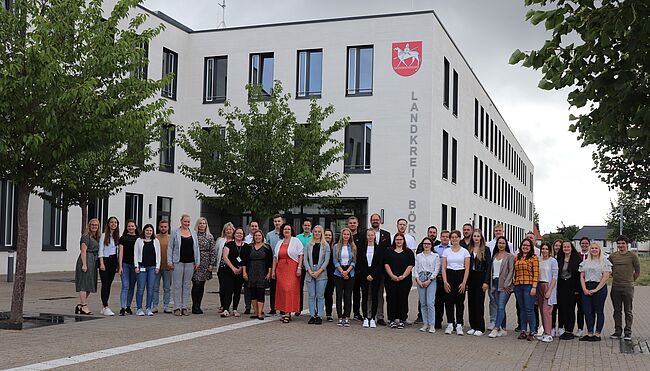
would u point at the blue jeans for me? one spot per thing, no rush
(593, 307)
(316, 297)
(166, 277)
(128, 285)
(502, 298)
(145, 279)
(427, 299)
(527, 305)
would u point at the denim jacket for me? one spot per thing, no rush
(336, 259)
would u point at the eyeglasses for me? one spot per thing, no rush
(427, 244)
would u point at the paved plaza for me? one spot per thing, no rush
(210, 342)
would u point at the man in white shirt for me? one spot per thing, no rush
(410, 240)
(253, 227)
(383, 240)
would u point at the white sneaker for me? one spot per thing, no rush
(580, 333)
(553, 332)
(490, 326)
(373, 324)
(449, 329)
(478, 333)
(107, 311)
(547, 338)
(149, 312)
(365, 323)
(560, 331)
(494, 333)
(470, 331)
(424, 328)
(459, 330)
(502, 333)
(432, 329)
(139, 312)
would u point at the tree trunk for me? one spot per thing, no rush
(22, 204)
(83, 204)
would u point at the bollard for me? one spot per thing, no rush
(10, 266)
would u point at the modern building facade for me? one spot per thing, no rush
(425, 140)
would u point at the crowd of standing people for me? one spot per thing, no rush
(555, 284)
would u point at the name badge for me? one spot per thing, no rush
(143, 269)
(238, 259)
(315, 268)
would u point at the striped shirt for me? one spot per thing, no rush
(526, 271)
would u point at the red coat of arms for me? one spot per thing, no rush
(407, 57)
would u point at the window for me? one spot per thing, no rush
(480, 179)
(163, 209)
(476, 118)
(453, 218)
(444, 217)
(167, 148)
(55, 227)
(492, 136)
(445, 92)
(7, 216)
(310, 73)
(215, 79)
(142, 72)
(491, 194)
(475, 175)
(133, 208)
(98, 209)
(170, 66)
(359, 70)
(531, 182)
(222, 132)
(445, 155)
(486, 181)
(357, 148)
(454, 109)
(487, 130)
(454, 160)
(261, 73)
(482, 124)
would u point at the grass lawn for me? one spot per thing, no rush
(644, 278)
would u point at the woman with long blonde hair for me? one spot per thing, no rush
(594, 273)
(203, 272)
(227, 235)
(316, 258)
(345, 258)
(86, 269)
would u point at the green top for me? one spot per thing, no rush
(623, 268)
(304, 239)
(91, 243)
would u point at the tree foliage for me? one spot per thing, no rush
(563, 232)
(263, 160)
(600, 50)
(66, 97)
(636, 218)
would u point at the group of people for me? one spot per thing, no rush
(549, 281)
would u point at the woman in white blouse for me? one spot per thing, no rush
(455, 272)
(546, 290)
(427, 266)
(594, 273)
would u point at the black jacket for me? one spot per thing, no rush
(484, 266)
(375, 268)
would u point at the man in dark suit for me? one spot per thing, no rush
(359, 238)
(383, 241)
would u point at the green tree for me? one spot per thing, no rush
(65, 90)
(262, 159)
(536, 219)
(636, 218)
(568, 231)
(600, 50)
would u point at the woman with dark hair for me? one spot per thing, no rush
(146, 256)
(427, 267)
(398, 263)
(370, 268)
(233, 279)
(286, 270)
(108, 261)
(455, 271)
(257, 261)
(568, 284)
(480, 262)
(85, 276)
(128, 277)
(501, 273)
(546, 289)
(207, 259)
(526, 280)
(227, 235)
(344, 257)
(556, 247)
(328, 235)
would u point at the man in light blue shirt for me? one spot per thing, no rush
(441, 295)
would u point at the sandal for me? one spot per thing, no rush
(84, 310)
(225, 314)
(236, 314)
(286, 319)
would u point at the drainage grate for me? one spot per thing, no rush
(60, 298)
(635, 346)
(41, 319)
(64, 280)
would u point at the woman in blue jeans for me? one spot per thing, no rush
(128, 276)
(526, 281)
(427, 267)
(502, 274)
(594, 273)
(316, 259)
(147, 257)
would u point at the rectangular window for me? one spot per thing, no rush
(142, 73)
(167, 149)
(222, 132)
(261, 73)
(486, 180)
(482, 124)
(480, 222)
(163, 209)
(491, 186)
(480, 179)
(487, 130)
(444, 217)
(170, 66)
(454, 159)
(360, 60)
(55, 227)
(357, 148)
(133, 208)
(475, 175)
(310, 73)
(453, 218)
(445, 155)
(492, 136)
(531, 182)
(98, 209)
(476, 118)
(7, 215)
(445, 93)
(215, 79)
(454, 109)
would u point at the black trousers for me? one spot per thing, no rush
(580, 318)
(198, 288)
(272, 293)
(397, 298)
(232, 285)
(302, 286)
(329, 294)
(107, 276)
(356, 297)
(222, 286)
(566, 304)
(476, 300)
(441, 296)
(369, 292)
(455, 301)
(344, 296)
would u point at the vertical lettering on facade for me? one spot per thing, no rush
(413, 162)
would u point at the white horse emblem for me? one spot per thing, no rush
(407, 54)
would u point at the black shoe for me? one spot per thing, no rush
(358, 317)
(196, 311)
(128, 310)
(122, 312)
(272, 312)
(297, 314)
(437, 326)
(567, 336)
(311, 321)
(615, 336)
(595, 338)
(381, 322)
(418, 320)
(254, 316)
(247, 311)
(318, 321)
(330, 319)
(585, 338)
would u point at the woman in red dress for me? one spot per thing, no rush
(287, 263)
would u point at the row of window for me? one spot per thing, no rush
(446, 221)
(446, 82)
(491, 186)
(445, 157)
(309, 73)
(489, 134)
(513, 233)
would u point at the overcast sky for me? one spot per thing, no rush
(566, 190)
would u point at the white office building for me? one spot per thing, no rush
(425, 140)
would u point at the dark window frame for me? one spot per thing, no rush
(454, 160)
(167, 149)
(51, 244)
(366, 167)
(445, 155)
(160, 213)
(214, 98)
(97, 207)
(475, 175)
(258, 78)
(128, 205)
(454, 102)
(6, 187)
(308, 94)
(357, 92)
(443, 217)
(445, 83)
(171, 89)
(476, 118)
(453, 218)
(142, 73)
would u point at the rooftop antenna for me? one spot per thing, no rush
(223, 14)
